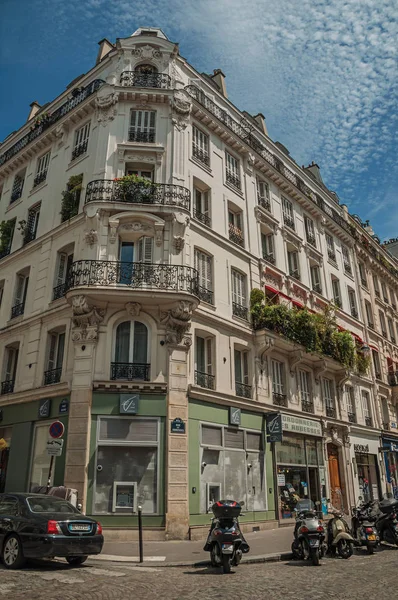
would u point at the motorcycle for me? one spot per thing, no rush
(309, 537)
(339, 536)
(385, 515)
(225, 541)
(363, 529)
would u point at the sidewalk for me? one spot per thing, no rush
(184, 553)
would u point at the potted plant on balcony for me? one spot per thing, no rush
(71, 197)
(6, 231)
(135, 189)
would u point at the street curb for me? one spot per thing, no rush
(263, 558)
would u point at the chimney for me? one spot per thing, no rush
(34, 109)
(261, 121)
(316, 172)
(105, 48)
(219, 78)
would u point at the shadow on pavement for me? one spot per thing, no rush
(208, 571)
(46, 565)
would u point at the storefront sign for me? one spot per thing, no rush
(44, 408)
(274, 427)
(128, 404)
(394, 447)
(361, 448)
(300, 425)
(63, 406)
(234, 416)
(54, 447)
(281, 479)
(177, 426)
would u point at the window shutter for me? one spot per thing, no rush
(270, 243)
(211, 436)
(145, 249)
(200, 354)
(52, 351)
(60, 351)
(205, 207)
(62, 259)
(245, 368)
(19, 289)
(234, 438)
(209, 369)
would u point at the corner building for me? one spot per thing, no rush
(139, 209)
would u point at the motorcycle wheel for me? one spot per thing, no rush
(315, 557)
(297, 551)
(226, 564)
(390, 537)
(213, 560)
(370, 549)
(344, 549)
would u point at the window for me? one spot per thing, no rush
(336, 292)
(350, 404)
(42, 168)
(1, 291)
(204, 363)
(267, 247)
(21, 289)
(376, 364)
(64, 265)
(316, 279)
(71, 198)
(293, 262)
(201, 210)
(204, 265)
(142, 126)
(310, 231)
(235, 227)
(287, 211)
(32, 223)
(328, 397)
(278, 382)
(40, 458)
(232, 174)
(369, 314)
(346, 260)
(239, 303)
(362, 274)
(392, 298)
(353, 303)
(376, 286)
(366, 408)
(200, 146)
(7, 235)
(383, 327)
(391, 330)
(17, 186)
(242, 387)
(263, 198)
(304, 388)
(144, 173)
(330, 247)
(10, 369)
(56, 344)
(131, 352)
(81, 141)
(384, 292)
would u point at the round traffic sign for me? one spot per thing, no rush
(56, 429)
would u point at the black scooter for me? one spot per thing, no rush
(225, 541)
(363, 527)
(385, 514)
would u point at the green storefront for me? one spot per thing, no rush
(229, 458)
(24, 462)
(127, 459)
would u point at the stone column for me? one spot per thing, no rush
(86, 319)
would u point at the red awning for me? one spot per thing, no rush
(373, 347)
(269, 288)
(297, 303)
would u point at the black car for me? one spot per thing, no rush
(40, 526)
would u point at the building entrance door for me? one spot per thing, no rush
(336, 492)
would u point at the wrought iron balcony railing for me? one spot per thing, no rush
(140, 276)
(307, 407)
(352, 417)
(348, 268)
(201, 155)
(243, 390)
(317, 288)
(17, 310)
(205, 219)
(130, 371)
(5, 252)
(270, 258)
(354, 313)
(331, 412)
(264, 202)
(295, 274)
(240, 311)
(144, 137)
(52, 376)
(59, 291)
(79, 149)
(205, 294)
(311, 239)
(7, 386)
(332, 255)
(78, 96)
(289, 222)
(40, 177)
(205, 380)
(279, 399)
(236, 235)
(111, 190)
(145, 80)
(232, 179)
(29, 235)
(16, 193)
(368, 421)
(365, 284)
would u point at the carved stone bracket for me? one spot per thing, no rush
(178, 243)
(105, 103)
(181, 106)
(61, 132)
(177, 321)
(250, 160)
(85, 320)
(272, 278)
(266, 348)
(342, 377)
(262, 217)
(290, 237)
(320, 368)
(133, 309)
(295, 358)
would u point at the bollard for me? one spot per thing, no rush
(140, 534)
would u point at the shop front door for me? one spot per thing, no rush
(336, 493)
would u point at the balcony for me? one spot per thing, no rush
(29, 235)
(130, 371)
(205, 380)
(307, 406)
(331, 412)
(264, 202)
(269, 258)
(238, 310)
(317, 288)
(40, 177)
(337, 301)
(232, 180)
(332, 255)
(201, 155)
(289, 222)
(59, 291)
(279, 399)
(112, 190)
(295, 274)
(205, 219)
(354, 313)
(348, 268)
(236, 235)
(79, 150)
(52, 376)
(16, 192)
(243, 390)
(17, 310)
(145, 80)
(352, 417)
(143, 137)
(368, 421)
(205, 294)
(311, 239)
(7, 386)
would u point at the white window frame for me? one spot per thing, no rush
(330, 247)
(239, 288)
(352, 298)
(350, 400)
(64, 260)
(268, 246)
(363, 274)
(204, 266)
(346, 258)
(287, 210)
(82, 135)
(304, 385)
(315, 281)
(232, 169)
(309, 229)
(43, 163)
(336, 288)
(201, 142)
(293, 261)
(391, 327)
(263, 195)
(328, 393)
(385, 292)
(208, 354)
(244, 365)
(55, 349)
(11, 357)
(278, 377)
(369, 314)
(201, 198)
(376, 285)
(143, 121)
(21, 288)
(365, 401)
(382, 319)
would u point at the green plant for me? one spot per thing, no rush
(362, 362)
(256, 297)
(134, 188)
(6, 233)
(71, 197)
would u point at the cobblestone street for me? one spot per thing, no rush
(359, 577)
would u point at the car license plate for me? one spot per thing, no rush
(372, 538)
(314, 543)
(79, 527)
(227, 548)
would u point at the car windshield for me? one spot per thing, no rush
(50, 505)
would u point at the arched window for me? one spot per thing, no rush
(131, 352)
(146, 76)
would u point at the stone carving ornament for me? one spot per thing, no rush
(85, 319)
(133, 309)
(177, 322)
(181, 106)
(105, 102)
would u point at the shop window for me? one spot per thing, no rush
(234, 438)
(127, 466)
(131, 352)
(40, 459)
(211, 436)
(368, 479)
(204, 361)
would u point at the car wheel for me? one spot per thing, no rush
(12, 556)
(75, 561)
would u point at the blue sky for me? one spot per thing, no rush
(323, 72)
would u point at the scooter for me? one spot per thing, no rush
(309, 537)
(363, 529)
(225, 541)
(385, 513)
(339, 536)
